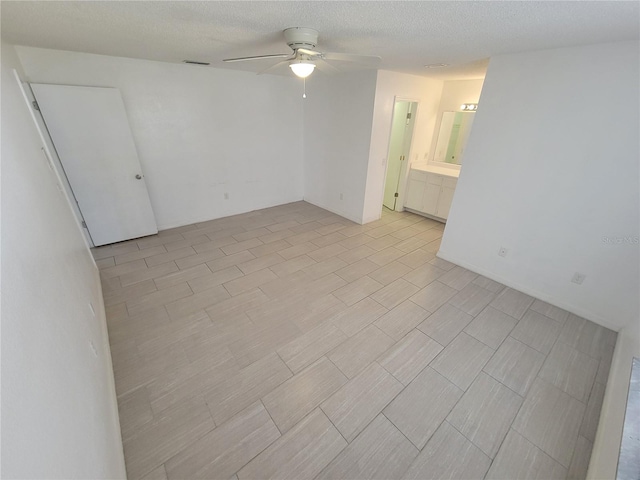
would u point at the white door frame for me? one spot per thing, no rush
(49, 152)
(404, 169)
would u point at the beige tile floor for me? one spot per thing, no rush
(292, 343)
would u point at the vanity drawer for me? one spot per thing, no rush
(434, 179)
(449, 182)
(418, 175)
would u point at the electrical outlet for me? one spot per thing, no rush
(226, 196)
(503, 252)
(578, 278)
(341, 196)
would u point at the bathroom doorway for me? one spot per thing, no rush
(404, 113)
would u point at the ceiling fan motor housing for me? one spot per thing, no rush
(301, 37)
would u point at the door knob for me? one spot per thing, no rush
(139, 177)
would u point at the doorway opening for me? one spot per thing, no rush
(404, 117)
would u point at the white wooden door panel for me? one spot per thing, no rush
(415, 194)
(394, 164)
(444, 202)
(430, 200)
(91, 134)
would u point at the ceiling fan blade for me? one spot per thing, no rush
(325, 67)
(273, 67)
(312, 53)
(257, 57)
(350, 57)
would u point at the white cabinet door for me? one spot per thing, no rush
(431, 194)
(90, 130)
(444, 202)
(415, 194)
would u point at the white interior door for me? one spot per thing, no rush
(50, 153)
(399, 148)
(90, 131)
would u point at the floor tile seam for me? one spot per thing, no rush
(446, 346)
(401, 433)
(159, 290)
(370, 296)
(495, 350)
(428, 311)
(524, 397)
(266, 446)
(560, 341)
(349, 380)
(603, 385)
(538, 377)
(336, 427)
(139, 250)
(261, 400)
(533, 442)
(497, 307)
(326, 355)
(515, 416)
(557, 342)
(488, 305)
(293, 374)
(167, 274)
(420, 449)
(446, 420)
(377, 360)
(164, 263)
(319, 407)
(575, 451)
(531, 346)
(191, 443)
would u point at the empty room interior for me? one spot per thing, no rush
(320, 240)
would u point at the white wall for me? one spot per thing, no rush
(337, 133)
(454, 94)
(551, 169)
(59, 410)
(389, 85)
(200, 132)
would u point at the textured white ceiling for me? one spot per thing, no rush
(407, 35)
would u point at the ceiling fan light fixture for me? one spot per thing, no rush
(302, 69)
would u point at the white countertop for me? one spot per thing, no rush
(449, 172)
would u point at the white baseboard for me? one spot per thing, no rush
(348, 216)
(545, 297)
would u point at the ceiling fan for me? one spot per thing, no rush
(305, 58)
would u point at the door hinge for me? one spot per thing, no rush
(401, 157)
(35, 105)
(84, 224)
(409, 116)
(395, 194)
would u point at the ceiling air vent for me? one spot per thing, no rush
(195, 62)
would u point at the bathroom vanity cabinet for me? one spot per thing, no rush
(430, 193)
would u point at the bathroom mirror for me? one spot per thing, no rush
(452, 139)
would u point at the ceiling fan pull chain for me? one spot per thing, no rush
(304, 88)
